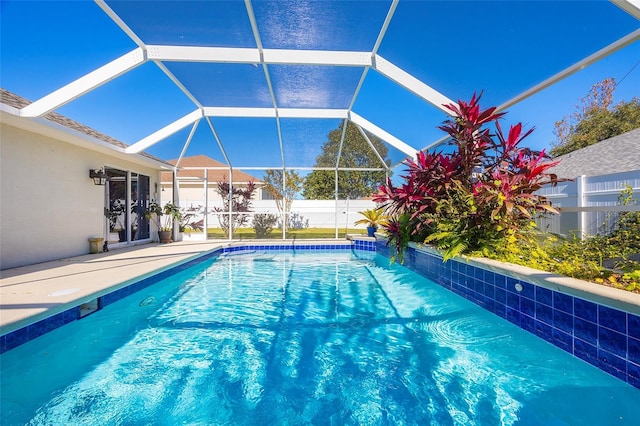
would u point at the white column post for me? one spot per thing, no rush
(230, 212)
(580, 202)
(175, 200)
(127, 212)
(336, 207)
(205, 222)
(284, 204)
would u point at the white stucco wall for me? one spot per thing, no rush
(193, 194)
(49, 206)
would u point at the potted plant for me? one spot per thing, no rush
(373, 218)
(114, 215)
(170, 212)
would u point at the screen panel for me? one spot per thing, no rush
(188, 23)
(46, 45)
(226, 85)
(501, 48)
(320, 25)
(309, 86)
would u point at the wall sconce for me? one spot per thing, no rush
(99, 176)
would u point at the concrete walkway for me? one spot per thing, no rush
(31, 293)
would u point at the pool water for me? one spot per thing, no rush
(307, 338)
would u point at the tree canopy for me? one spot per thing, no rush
(595, 119)
(356, 153)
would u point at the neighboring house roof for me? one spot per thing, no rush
(213, 175)
(617, 154)
(18, 102)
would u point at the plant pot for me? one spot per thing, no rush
(371, 230)
(164, 236)
(95, 245)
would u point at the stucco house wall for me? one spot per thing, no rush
(49, 206)
(193, 193)
(191, 182)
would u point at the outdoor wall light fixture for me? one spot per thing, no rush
(99, 176)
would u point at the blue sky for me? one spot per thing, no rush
(501, 48)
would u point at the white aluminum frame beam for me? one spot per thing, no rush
(312, 113)
(165, 132)
(203, 54)
(436, 143)
(317, 57)
(373, 148)
(259, 55)
(382, 134)
(237, 55)
(187, 143)
(605, 51)
(273, 112)
(84, 84)
(346, 169)
(220, 145)
(411, 83)
(267, 76)
(376, 46)
(178, 83)
(385, 26)
(239, 112)
(578, 66)
(632, 7)
(119, 22)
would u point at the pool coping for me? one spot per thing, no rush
(27, 301)
(35, 292)
(601, 294)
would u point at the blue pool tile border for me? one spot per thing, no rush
(603, 336)
(23, 335)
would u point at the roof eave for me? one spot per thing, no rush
(55, 130)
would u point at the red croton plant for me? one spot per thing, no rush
(478, 198)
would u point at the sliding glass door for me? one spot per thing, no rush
(126, 201)
(139, 205)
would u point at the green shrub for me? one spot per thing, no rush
(263, 224)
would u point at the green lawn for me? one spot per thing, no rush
(308, 233)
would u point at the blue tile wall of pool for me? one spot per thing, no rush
(604, 337)
(30, 332)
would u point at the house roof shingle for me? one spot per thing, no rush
(18, 102)
(213, 175)
(617, 154)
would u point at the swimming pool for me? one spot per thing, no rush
(304, 338)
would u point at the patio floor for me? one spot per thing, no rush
(31, 293)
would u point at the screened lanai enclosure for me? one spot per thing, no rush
(272, 117)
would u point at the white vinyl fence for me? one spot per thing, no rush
(330, 214)
(589, 204)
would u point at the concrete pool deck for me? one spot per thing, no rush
(31, 293)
